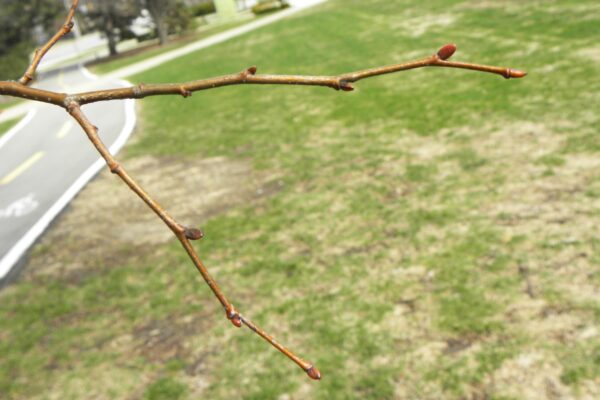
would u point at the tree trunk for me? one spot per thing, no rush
(162, 32)
(110, 35)
(112, 43)
(157, 9)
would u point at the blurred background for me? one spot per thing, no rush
(431, 235)
(104, 27)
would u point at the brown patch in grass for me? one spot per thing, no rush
(419, 25)
(508, 5)
(544, 203)
(590, 53)
(161, 341)
(122, 228)
(556, 218)
(531, 375)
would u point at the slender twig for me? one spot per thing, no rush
(248, 76)
(41, 52)
(73, 102)
(184, 235)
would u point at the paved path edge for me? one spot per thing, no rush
(16, 252)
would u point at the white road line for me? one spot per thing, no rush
(24, 166)
(87, 73)
(15, 129)
(64, 129)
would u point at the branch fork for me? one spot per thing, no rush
(73, 102)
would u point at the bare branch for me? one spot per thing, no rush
(184, 235)
(73, 102)
(248, 76)
(41, 52)
(15, 89)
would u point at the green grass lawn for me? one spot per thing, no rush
(433, 234)
(7, 104)
(6, 125)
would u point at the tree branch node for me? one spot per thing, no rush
(343, 84)
(234, 316)
(247, 72)
(71, 105)
(114, 166)
(193, 233)
(138, 90)
(68, 27)
(184, 92)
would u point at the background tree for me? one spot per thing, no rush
(20, 21)
(112, 18)
(170, 16)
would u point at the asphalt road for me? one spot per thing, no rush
(48, 159)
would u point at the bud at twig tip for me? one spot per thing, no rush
(193, 233)
(446, 51)
(313, 373)
(515, 73)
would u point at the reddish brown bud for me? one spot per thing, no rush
(236, 320)
(515, 73)
(233, 316)
(193, 233)
(184, 92)
(313, 373)
(252, 70)
(446, 51)
(346, 86)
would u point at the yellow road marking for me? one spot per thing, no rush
(64, 129)
(22, 168)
